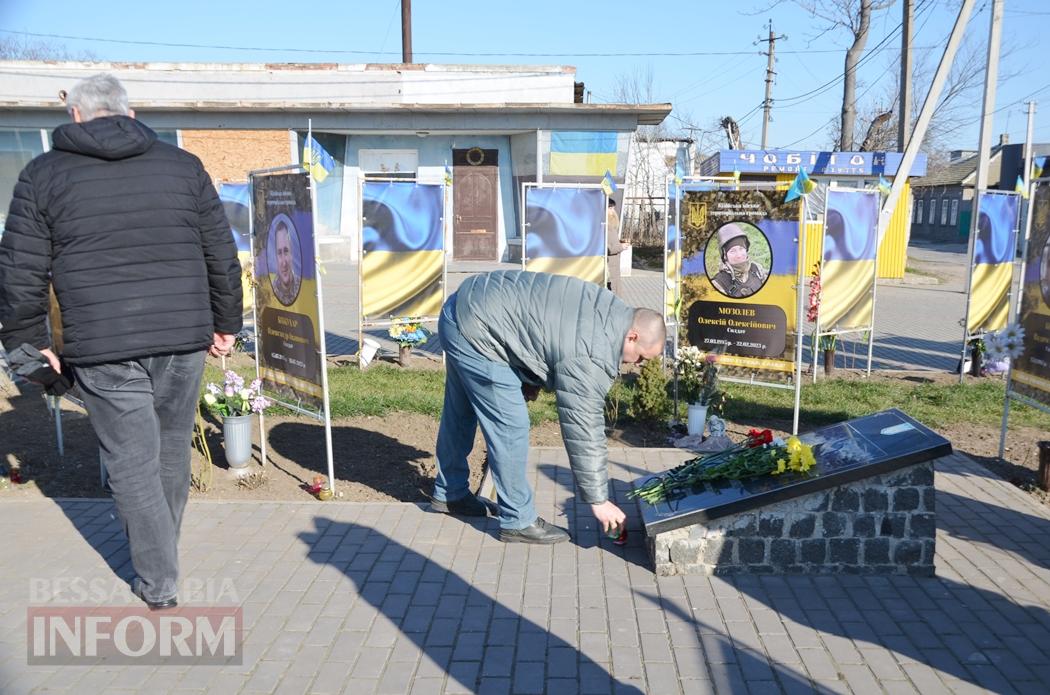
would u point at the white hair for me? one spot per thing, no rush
(98, 95)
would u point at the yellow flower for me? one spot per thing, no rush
(781, 467)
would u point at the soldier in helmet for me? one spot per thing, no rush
(738, 275)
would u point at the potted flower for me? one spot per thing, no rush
(236, 402)
(407, 333)
(698, 379)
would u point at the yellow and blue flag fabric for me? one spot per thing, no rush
(1019, 187)
(235, 199)
(316, 159)
(582, 152)
(448, 175)
(993, 262)
(403, 250)
(802, 185)
(565, 232)
(672, 256)
(884, 186)
(608, 184)
(1038, 165)
(847, 273)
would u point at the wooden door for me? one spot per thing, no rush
(475, 224)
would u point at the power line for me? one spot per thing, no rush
(321, 51)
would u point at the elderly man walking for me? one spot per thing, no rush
(131, 234)
(506, 335)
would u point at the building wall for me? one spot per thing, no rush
(955, 227)
(228, 155)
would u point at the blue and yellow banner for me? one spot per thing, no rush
(672, 257)
(316, 159)
(583, 153)
(565, 232)
(286, 288)
(739, 275)
(847, 274)
(403, 250)
(992, 266)
(235, 202)
(1031, 371)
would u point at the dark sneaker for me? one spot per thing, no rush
(164, 605)
(540, 533)
(471, 505)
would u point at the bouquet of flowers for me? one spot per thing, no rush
(234, 397)
(698, 375)
(408, 333)
(760, 454)
(1006, 344)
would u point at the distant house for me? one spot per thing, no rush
(651, 164)
(493, 127)
(943, 200)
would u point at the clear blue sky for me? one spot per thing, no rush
(701, 87)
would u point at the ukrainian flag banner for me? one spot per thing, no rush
(235, 198)
(583, 153)
(739, 273)
(403, 252)
(847, 273)
(672, 258)
(565, 232)
(993, 262)
(1031, 371)
(286, 288)
(316, 159)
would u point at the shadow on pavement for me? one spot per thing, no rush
(466, 633)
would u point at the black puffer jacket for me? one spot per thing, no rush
(131, 233)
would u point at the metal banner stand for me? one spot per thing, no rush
(979, 335)
(870, 330)
(325, 414)
(362, 323)
(799, 279)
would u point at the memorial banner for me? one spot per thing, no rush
(565, 232)
(1030, 375)
(992, 265)
(286, 287)
(847, 272)
(739, 276)
(672, 258)
(403, 250)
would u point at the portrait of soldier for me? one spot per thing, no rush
(286, 280)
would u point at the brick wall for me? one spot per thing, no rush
(879, 525)
(228, 155)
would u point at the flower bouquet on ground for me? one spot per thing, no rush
(760, 454)
(234, 398)
(236, 402)
(408, 333)
(698, 380)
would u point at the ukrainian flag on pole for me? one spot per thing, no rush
(316, 159)
(582, 153)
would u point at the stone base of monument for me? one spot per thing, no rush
(867, 507)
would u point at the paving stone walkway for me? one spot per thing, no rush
(388, 598)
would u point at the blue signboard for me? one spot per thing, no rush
(814, 162)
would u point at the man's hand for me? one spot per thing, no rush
(52, 359)
(610, 516)
(530, 392)
(221, 344)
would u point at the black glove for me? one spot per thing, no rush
(28, 362)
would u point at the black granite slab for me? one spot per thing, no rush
(845, 452)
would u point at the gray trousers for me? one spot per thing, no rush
(143, 412)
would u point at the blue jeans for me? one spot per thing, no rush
(481, 391)
(143, 412)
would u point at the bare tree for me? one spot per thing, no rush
(24, 48)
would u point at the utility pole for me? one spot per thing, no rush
(406, 31)
(767, 105)
(904, 114)
(1028, 145)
